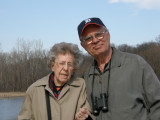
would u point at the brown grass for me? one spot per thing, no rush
(11, 94)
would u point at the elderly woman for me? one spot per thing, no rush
(60, 95)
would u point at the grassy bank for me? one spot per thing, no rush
(11, 94)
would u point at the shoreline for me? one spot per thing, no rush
(11, 94)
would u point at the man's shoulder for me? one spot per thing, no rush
(127, 55)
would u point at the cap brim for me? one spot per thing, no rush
(89, 24)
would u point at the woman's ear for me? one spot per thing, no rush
(52, 66)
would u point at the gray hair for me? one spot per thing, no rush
(63, 48)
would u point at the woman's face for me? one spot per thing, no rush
(63, 68)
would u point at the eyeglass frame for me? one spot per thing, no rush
(91, 37)
(62, 64)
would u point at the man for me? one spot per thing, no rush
(120, 86)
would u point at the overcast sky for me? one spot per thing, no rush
(130, 22)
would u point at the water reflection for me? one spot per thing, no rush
(10, 107)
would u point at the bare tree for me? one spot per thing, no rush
(23, 65)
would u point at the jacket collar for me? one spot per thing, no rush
(116, 58)
(45, 81)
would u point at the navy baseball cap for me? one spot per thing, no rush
(87, 22)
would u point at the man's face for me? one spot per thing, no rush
(95, 40)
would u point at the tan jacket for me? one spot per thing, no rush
(71, 98)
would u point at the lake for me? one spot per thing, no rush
(10, 107)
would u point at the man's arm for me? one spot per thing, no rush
(151, 86)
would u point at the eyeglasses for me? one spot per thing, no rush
(62, 64)
(89, 39)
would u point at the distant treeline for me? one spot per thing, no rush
(28, 62)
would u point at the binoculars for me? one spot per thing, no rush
(100, 104)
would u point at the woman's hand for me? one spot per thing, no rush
(82, 114)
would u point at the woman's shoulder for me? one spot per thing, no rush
(78, 81)
(40, 82)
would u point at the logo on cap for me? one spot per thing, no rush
(87, 21)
